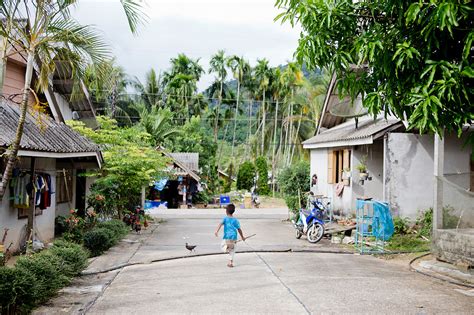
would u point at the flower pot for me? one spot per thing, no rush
(363, 176)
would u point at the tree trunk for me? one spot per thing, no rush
(290, 135)
(274, 149)
(216, 123)
(296, 136)
(235, 118)
(263, 124)
(15, 146)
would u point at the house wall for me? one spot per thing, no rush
(43, 224)
(319, 166)
(409, 173)
(63, 105)
(409, 184)
(63, 208)
(373, 187)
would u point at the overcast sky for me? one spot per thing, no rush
(197, 28)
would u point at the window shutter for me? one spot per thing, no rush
(346, 161)
(331, 166)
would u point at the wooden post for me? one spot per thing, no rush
(143, 198)
(31, 213)
(438, 183)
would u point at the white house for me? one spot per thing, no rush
(399, 163)
(57, 154)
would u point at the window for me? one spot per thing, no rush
(338, 160)
(64, 186)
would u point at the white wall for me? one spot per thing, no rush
(43, 224)
(319, 166)
(409, 181)
(372, 188)
(63, 208)
(457, 158)
(63, 105)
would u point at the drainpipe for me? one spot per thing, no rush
(438, 183)
(384, 171)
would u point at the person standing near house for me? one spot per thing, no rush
(231, 227)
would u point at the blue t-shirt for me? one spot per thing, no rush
(231, 225)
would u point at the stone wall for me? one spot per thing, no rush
(454, 246)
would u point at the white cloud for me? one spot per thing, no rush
(196, 28)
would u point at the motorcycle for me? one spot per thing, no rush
(311, 222)
(255, 200)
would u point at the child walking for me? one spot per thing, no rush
(231, 227)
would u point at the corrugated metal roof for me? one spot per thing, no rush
(51, 136)
(191, 160)
(348, 131)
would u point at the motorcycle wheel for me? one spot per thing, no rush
(315, 233)
(298, 234)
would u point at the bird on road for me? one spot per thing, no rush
(190, 247)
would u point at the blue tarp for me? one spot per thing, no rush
(383, 223)
(160, 185)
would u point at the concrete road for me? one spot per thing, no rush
(265, 283)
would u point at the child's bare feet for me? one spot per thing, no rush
(230, 265)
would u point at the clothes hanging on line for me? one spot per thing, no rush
(23, 188)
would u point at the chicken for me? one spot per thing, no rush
(190, 247)
(138, 227)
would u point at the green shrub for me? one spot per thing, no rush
(262, 170)
(98, 240)
(400, 225)
(425, 223)
(73, 257)
(246, 176)
(47, 269)
(116, 226)
(18, 291)
(294, 180)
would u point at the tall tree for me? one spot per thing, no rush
(413, 59)
(262, 73)
(150, 92)
(47, 35)
(217, 65)
(240, 68)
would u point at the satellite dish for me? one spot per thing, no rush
(348, 109)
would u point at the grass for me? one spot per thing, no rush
(407, 242)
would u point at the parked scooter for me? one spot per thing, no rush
(255, 200)
(311, 222)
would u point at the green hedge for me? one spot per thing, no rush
(98, 240)
(118, 228)
(37, 278)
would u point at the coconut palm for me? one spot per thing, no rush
(108, 89)
(156, 121)
(217, 65)
(49, 37)
(262, 73)
(183, 65)
(149, 92)
(240, 68)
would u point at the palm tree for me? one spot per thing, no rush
(156, 121)
(50, 37)
(107, 84)
(263, 75)
(240, 68)
(217, 65)
(293, 76)
(150, 92)
(183, 65)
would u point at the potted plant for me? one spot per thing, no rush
(362, 168)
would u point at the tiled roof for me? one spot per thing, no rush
(367, 127)
(191, 160)
(46, 135)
